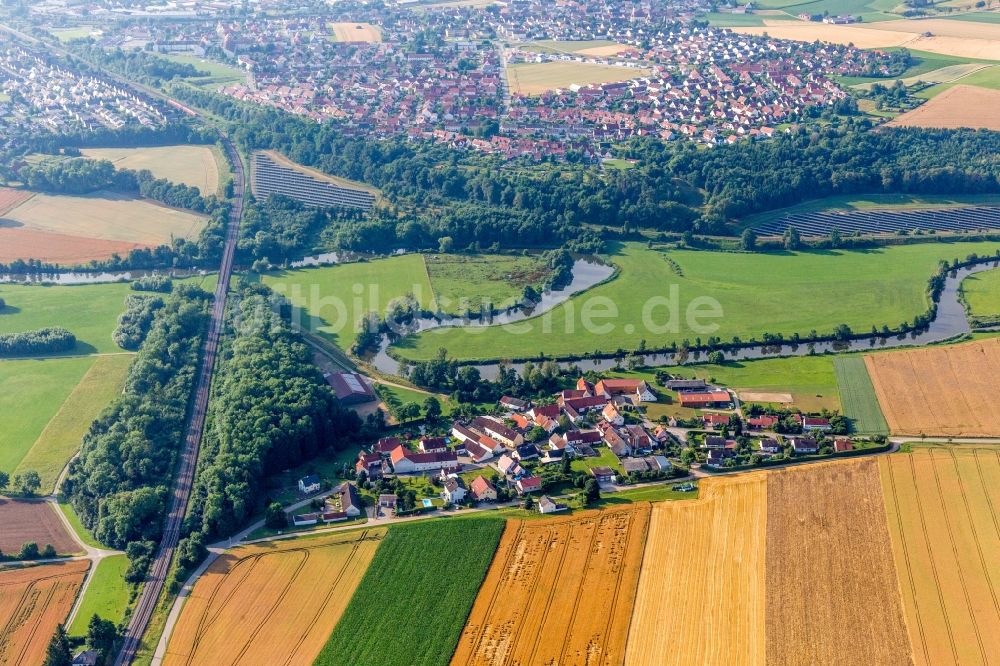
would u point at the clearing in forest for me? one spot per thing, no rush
(704, 569)
(948, 390)
(196, 166)
(33, 600)
(942, 504)
(578, 572)
(271, 603)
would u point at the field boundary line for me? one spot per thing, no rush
(933, 562)
(34, 625)
(975, 532)
(617, 592)
(523, 616)
(430, 283)
(906, 558)
(576, 599)
(642, 561)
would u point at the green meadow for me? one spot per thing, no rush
(106, 596)
(482, 279)
(858, 395)
(655, 303)
(61, 438)
(31, 393)
(982, 294)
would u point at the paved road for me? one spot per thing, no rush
(189, 455)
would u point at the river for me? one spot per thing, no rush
(950, 321)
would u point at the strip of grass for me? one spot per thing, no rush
(412, 603)
(107, 595)
(62, 436)
(31, 393)
(858, 395)
(82, 532)
(747, 295)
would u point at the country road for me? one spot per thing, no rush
(189, 455)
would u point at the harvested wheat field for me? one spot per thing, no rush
(11, 199)
(942, 504)
(273, 603)
(958, 106)
(947, 390)
(189, 165)
(36, 520)
(33, 600)
(107, 216)
(701, 591)
(21, 243)
(559, 591)
(356, 32)
(829, 568)
(861, 37)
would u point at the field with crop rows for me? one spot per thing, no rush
(942, 504)
(949, 390)
(579, 573)
(829, 558)
(410, 607)
(33, 520)
(703, 569)
(857, 395)
(958, 106)
(273, 602)
(33, 601)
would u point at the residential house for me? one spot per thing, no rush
(463, 433)
(370, 464)
(387, 502)
(528, 484)
(611, 414)
(762, 422)
(386, 445)
(635, 388)
(483, 490)
(309, 484)
(803, 445)
(706, 399)
(715, 420)
(514, 404)
(769, 445)
(453, 490)
(346, 495)
(525, 452)
(405, 461)
(603, 474)
(842, 444)
(478, 452)
(86, 658)
(718, 457)
(553, 455)
(815, 423)
(508, 466)
(498, 431)
(547, 505)
(638, 438)
(432, 444)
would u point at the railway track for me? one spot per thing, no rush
(192, 441)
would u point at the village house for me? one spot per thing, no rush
(453, 490)
(508, 466)
(385, 446)
(477, 451)
(704, 400)
(636, 388)
(603, 474)
(842, 445)
(405, 461)
(815, 423)
(482, 490)
(432, 444)
(498, 431)
(309, 484)
(715, 420)
(769, 446)
(528, 484)
(514, 404)
(370, 464)
(611, 414)
(762, 422)
(547, 505)
(718, 457)
(804, 445)
(345, 499)
(387, 502)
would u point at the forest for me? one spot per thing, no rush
(118, 484)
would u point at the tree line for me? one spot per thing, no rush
(119, 483)
(49, 340)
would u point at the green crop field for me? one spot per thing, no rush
(106, 596)
(412, 603)
(31, 393)
(218, 74)
(743, 294)
(331, 300)
(870, 10)
(89, 312)
(858, 395)
(727, 20)
(61, 438)
(475, 280)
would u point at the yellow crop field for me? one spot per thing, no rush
(559, 591)
(942, 503)
(537, 78)
(33, 600)
(701, 591)
(948, 390)
(272, 603)
(831, 591)
(356, 32)
(861, 37)
(106, 216)
(196, 166)
(958, 106)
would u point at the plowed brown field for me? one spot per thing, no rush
(11, 198)
(831, 590)
(33, 601)
(939, 390)
(24, 521)
(559, 591)
(23, 243)
(273, 603)
(942, 504)
(701, 591)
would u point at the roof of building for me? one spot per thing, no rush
(480, 485)
(311, 480)
(705, 397)
(349, 384)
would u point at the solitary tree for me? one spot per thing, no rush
(101, 636)
(748, 241)
(275, 517)
(4, 480)
(792, 239)
(591, 491)
(432, 408)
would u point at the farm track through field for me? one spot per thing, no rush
(50, 592)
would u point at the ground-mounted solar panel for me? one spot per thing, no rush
(821, 223)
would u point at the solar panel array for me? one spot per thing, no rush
(970, 218)
(273, 178)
